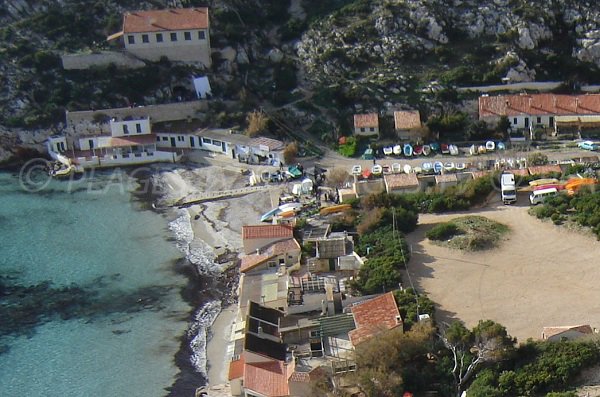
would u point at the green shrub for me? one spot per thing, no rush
(443, 231)
(348, 149)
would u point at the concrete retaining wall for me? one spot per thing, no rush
(104, 58)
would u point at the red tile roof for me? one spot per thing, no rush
(544, 169)
(165, 20)
(366, 120)
(249, 262)
(374, 316)
(549, 332)
(407, 119)
(538, 104)
(250, 232)
(401, 180)
(267, 378)
(520, 171)
(236, 369)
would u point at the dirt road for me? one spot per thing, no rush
(542, 275)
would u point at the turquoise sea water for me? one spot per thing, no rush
(92, 238)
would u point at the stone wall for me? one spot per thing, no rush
(104, 58)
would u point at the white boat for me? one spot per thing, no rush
(396, 168)
(388, 150)
(453, 150)
(417, 170)
(473, 150)
(501, 146)
(460, 166)
(407, 169)
(386, 169)
(427, 167)
(490, 146)
(356, 170)
(397, 150)
(377, 169)
(267, 216)
(290, 206)
(449, 166)
(426, 150)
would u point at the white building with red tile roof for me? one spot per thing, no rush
(526, 111)
(256, 237)
(374, 316)
(284, 252)
(407, 124)
(366, 124)
(180, 34)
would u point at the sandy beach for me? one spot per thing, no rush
(216, 228)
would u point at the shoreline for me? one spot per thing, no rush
(209, 235)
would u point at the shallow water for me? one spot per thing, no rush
(120, 334)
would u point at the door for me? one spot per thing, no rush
(91, 143)
(173, 144)
(526, 122)
(192, 143)
(223, 147)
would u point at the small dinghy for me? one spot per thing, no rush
(397, 150)
(481, 149)
(445, 148)
(408, 150)
(417, 150)
(417, 170)
(435, 147)
(427, 167)
(407, 169)
(377, 169)
(453, 150)
(490, 146)
(438, 166)
(449, 166)
(460, 166)
(473, 150)
(387, 169)
(388, 150)
(356, 170)
(426, 150)
(396, 168)
(501, 146)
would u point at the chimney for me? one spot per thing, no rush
(260, 330)
(398, 319)
(257, 251)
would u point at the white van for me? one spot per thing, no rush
(538, 196)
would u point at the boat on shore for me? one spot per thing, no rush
(396, 168)
(417, 150)
(435, 147)
(426, 150)
(427, 167)
(453, 149)
(490, 146)
(473, 150)
(334, 209)
(460, 166)
(407, 169)
(449, 166)
(445, 148)
(388, 150)
(397, 150)
(501, 146)
(377, 169)
(481, 149)
(407, 150)
(543, 181)
(386, 169)
(438, 166)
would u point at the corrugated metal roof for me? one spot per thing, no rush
(336, 325)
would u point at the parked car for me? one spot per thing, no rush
(588, 145)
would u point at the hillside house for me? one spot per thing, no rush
(281, 253)
(256, 237)
(366, 124)
(335, 253)
(407, 124)
(556, 334)
(180, 34)
(374, 316)
(401, 183)
(531, 112)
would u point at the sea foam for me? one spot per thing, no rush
(203, 320)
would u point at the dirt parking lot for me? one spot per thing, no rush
(542, 275)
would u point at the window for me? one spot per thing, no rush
(145, 38)
(207, 140)
(125, 129)
(180, 138)
(138, 128)
(157, 138)
(372, 129)
(216, 143)
(173, 36)
(362, 129)
(201, 35)
(165, 138)
(539, 120)
(159, 38)
(131, 39)
(187, 35)
(515, 121)
(551, 121)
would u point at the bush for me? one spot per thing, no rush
(443, 231)
(348, 149)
